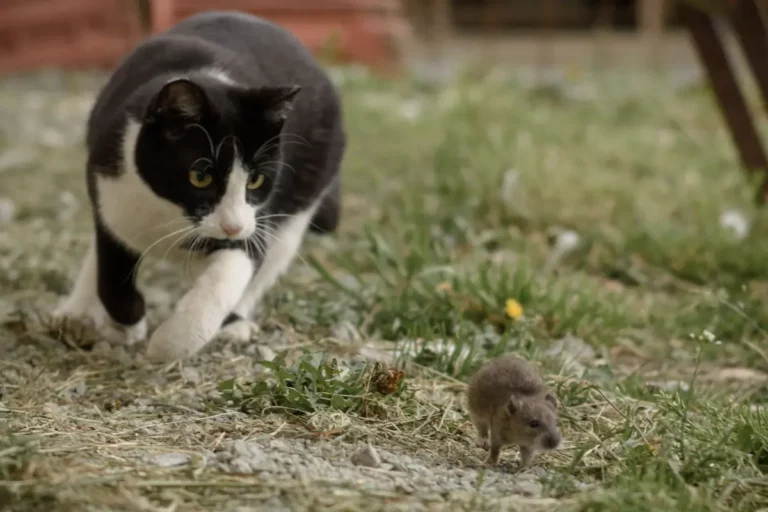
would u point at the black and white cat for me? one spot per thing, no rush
(219, 141)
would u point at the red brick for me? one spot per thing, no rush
(66, 33)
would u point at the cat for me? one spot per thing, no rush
(218, 141)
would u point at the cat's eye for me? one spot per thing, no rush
(256, 181)
(200, 179)
(534, 424)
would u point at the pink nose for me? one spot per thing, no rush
(231, 229)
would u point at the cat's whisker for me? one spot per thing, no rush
(259, 244)
(162, 225)
(178, 240)
(235, 143)
(182, 231)
(269, 144)
(280, 164)
(207, 135)
(275, 238)
(282, 215)
(190, 253)
(141, 257)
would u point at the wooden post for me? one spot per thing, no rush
(441, 24)
(749, 26)
(603, 32)
(651, 16)
(729, 96)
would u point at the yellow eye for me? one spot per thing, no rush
(255, 182)
(200, 179)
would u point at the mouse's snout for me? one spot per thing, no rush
(551, 440)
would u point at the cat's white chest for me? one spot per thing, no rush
(139, 219)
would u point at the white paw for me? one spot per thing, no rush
(240, 330)
(178, 337)
(90, 314)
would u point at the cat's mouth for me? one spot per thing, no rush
(207, 244)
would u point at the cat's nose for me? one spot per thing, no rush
(231, 229)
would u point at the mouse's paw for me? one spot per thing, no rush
(483, 443)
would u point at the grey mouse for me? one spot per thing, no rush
(510, 404)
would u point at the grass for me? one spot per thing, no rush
(456, 200)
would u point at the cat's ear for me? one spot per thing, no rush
(179, 98)
(274, 103)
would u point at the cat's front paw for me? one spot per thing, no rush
(240, 331)
(90, 314)
(177, 338)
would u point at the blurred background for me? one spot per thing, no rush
(379, 33)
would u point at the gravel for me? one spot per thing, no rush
(367, 466)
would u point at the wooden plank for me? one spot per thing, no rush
(733, 106)
(749, 27)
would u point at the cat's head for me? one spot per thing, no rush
(212, 148)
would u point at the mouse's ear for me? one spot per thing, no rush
(513, 405)
(551, 400)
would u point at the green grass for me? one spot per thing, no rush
(447, 214)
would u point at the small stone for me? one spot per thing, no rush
(248, 458)
(366, 456)
(102, 349)
(7, 210)
(670, 386)
(571, 349)
(53, 409)
(121, 355)
(509, 185)
(16, 159)
(345, 331)
(78, 389)
(567, 242)
(735, 222)
(191, 375)
(265, 353)
(527, 487)
(169, 460)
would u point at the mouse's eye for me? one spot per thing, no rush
(534, 424)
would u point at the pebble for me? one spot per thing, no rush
(7, 210)
(76, 390)
(264, 353)
(191, 375)
(366, 456)
(735, 222)
(169, 460)
(670, 386)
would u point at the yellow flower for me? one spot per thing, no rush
(514, 309)
(444, 287)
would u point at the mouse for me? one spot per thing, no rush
(510, 404)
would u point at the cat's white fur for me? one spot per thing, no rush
(147, 223)
(233, 210)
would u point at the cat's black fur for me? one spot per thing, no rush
(280, 91)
